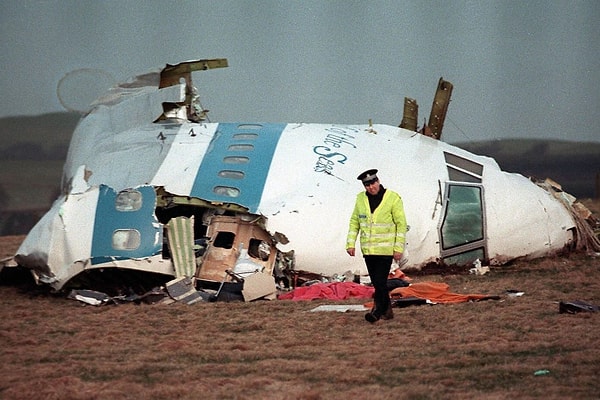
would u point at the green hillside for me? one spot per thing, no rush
(574, 165)
(32, 154)
(49, 132)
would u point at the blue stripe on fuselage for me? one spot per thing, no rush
(221, 179)
(108, 220)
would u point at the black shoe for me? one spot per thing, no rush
(371, 317)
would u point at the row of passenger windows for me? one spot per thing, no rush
(232, 191)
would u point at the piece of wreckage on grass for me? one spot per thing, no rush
(150, 186)
(113, 219)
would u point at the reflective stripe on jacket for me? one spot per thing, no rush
(382, 232)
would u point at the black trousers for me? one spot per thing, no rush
(379, 269)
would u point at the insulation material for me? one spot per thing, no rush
(180, 233)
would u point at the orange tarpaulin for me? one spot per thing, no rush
(435, 292)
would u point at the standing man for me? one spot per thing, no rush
(379, 217)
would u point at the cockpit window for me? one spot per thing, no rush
(463, 170)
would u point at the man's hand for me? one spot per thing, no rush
(397, 256)
(350, 251)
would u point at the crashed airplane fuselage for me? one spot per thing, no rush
(150, 185)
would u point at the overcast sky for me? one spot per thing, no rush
(520, 68)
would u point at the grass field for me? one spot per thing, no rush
(511, 348)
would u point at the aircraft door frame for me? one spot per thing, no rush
(462, 228)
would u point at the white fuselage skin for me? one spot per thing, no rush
(308, 193)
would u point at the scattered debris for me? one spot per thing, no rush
(410, 301)
(91, 297)
(340, 308)
(478, 269)
(182, 289)
(97, 298)
(259, 286)
(576, 306)
(541, 372)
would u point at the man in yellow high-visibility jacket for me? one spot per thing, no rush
(379, 218)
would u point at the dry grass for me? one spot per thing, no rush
(54, 348)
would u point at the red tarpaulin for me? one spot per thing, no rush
(332, 290)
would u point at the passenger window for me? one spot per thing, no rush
(229, 174)
(241, 147)
(227, 191)
(128, 200)
(236, 160)
(245, 136)
(126, 239)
